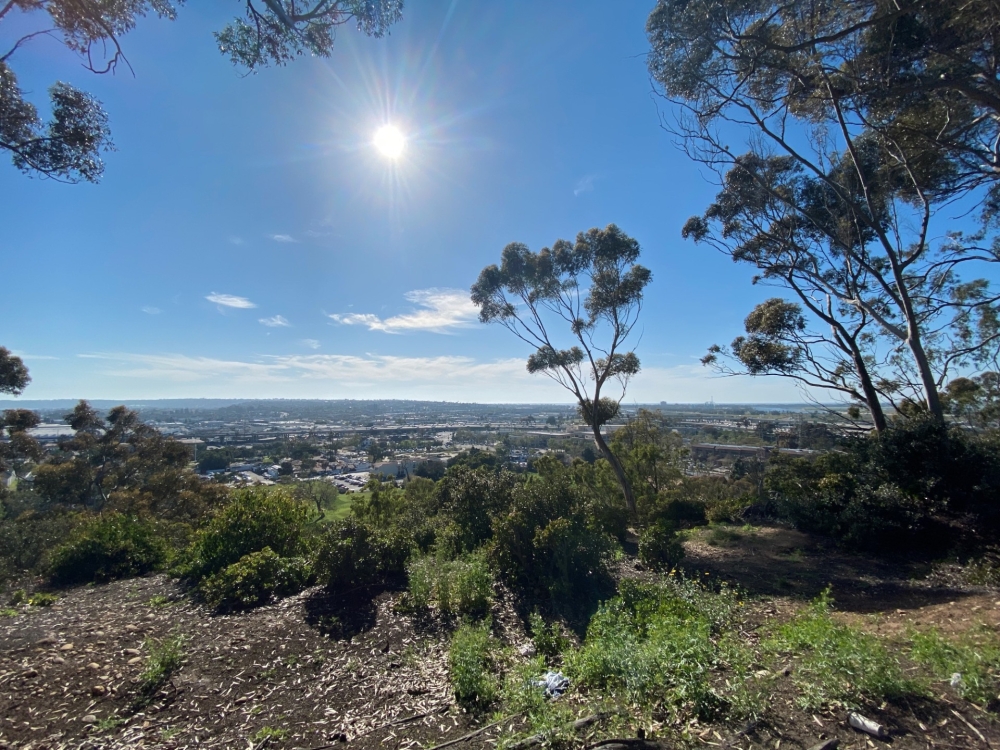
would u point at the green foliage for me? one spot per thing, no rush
(27, 540)
(543, 544)
(254, 519)
(14, 376)
(109, 547)
(42, 599)
(548, 639)
(472, 666)
(974, 657)
(654, 646)
(269, 733)
(659, 546)
(890, 491)
(256, 579)
(352, 555)
(835, 663)
(469, 499)
(463, 586)
(164, 660)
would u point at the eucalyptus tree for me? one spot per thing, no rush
(577, 304)
(14, 376)
(69, 145)
(843, 193)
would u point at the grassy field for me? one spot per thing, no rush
(342, 506)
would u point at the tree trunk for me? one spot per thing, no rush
(619, 470)
(871, 395)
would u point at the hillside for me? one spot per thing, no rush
(309, 672)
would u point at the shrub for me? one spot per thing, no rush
(836, 662)
(974, 656)
(659, 546)
(548, 639)
(543, 544)
(254, 519)
(256, 579)
(472, 667)
(463, 586)
(106, 548)
(655, 646)
(27, 540)
(353, 555)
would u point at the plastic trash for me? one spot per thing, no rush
(956, 680)
(866, 725)
(554, 683)
(527, 650)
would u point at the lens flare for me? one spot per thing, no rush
(389, 141)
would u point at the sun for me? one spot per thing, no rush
(389, 141)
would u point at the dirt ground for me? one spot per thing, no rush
(313, 673)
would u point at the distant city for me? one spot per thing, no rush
(344, 442)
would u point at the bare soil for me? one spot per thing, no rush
(313, 672)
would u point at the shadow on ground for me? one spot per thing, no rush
(775, 561)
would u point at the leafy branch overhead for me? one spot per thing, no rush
(592, 290)
(68, 146)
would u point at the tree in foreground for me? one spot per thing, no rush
(69, 146)
(586, 295)
(839, 197)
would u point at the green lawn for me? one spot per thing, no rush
(342, 506)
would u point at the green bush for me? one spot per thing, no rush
(659, 546)
(897, 490)
(543, 544)
(353, 555)
(28, 539)
(463, 586)
(548, 639)
(256, 579)
(107, 548)
(472, 666)
(835, 662)
(254, 519)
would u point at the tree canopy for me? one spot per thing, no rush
(859, 119)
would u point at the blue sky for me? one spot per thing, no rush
(247, 240)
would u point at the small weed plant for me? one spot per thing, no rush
(266, 734)
(472, 659)
(836, 663)
(971, 663)
(164, 660)
(42, 599)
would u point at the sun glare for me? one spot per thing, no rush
(389, 141)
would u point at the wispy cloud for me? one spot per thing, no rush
(584, 184)
(451, 378)
(230, 300)
(277, 321)
(234, 240)
(282, 238)
(438, 311)
(311, 343)
(150, 310)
